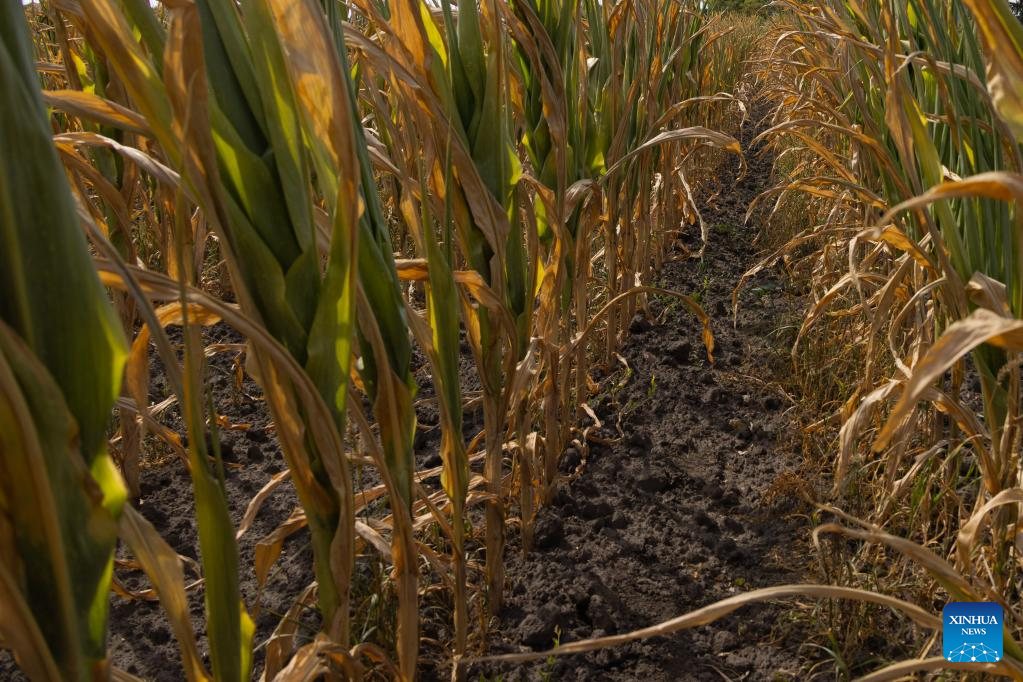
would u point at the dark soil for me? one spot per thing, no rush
(696, 502)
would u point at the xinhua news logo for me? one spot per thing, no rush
(972, 632)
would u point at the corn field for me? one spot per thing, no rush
(399, 205)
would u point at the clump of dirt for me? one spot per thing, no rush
(694, 503)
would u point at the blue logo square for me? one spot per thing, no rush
(972, 632)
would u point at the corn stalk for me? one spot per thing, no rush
(60, 495)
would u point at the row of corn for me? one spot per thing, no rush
(523, 164)
(896, 131)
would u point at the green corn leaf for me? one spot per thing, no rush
(61, 516)
(283, 122)
(231, 74)
(470, 48)
(45, 272)
(59, 489)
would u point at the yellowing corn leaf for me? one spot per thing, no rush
(95, 108)
(983, 326)
(1003, 43)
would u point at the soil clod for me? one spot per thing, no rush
(570, 459)
(639, 324)
(548, 531)
(254, 453)
(680, 351)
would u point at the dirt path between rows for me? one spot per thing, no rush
(695, 503)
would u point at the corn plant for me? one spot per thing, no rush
(262, 206)
(61, 497)
(910, 168)
(430, 226)
(466, 116)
